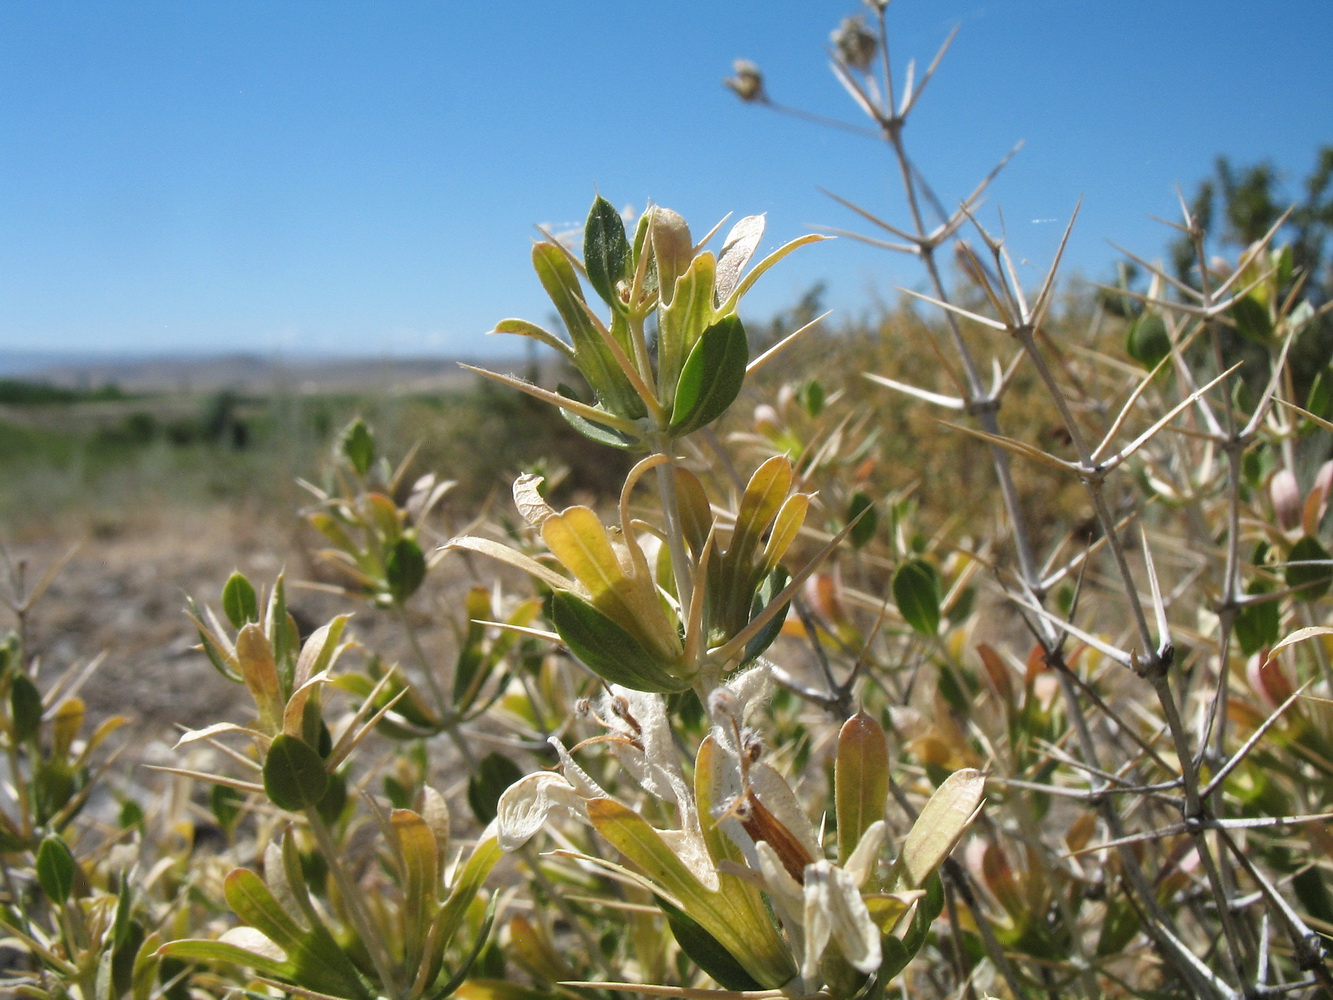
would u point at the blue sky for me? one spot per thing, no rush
(364, 177)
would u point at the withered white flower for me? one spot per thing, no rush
(527, 804)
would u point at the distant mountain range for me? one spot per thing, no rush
(243, 372)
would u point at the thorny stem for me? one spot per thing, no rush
(1155, 665)
(985, 414)
(981, 404)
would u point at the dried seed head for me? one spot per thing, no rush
(748, 83)
(854, 43)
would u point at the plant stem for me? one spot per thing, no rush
(352, 901)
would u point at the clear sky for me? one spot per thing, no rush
(364, 177)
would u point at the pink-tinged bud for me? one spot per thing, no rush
(1286, 497)
(766, 420)
(786, 396)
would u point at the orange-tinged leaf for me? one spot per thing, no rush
(320, 650)
(1036, 663)
(421, 877)
(535, 952)
(999, 878)
(254, 657)
(384, 516)
(1080, 831)
(998, 673)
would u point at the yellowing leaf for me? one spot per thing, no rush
(945, 816)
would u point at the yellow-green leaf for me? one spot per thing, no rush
(942, 821)
(861, 780)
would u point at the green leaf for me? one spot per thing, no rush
(461, 972)
(55, 869)
(768, 589)
(712, 376)
(609, 650)
(606, 251)
(25, 707)
(600, 433)
(864, 529)
(358, 446)
(495, 773)
(225, 803)
(705, 951)
(926, 911)
(916, 591)
(1251, 319)
(810, 396)
(334, 800)
(314, 959)
(472, 653)
(1310, 582)
(1258, 624)
(591, 354)
(220, 952)
(123, 957)
(1148, 342)
(239, 602)
(1119, 927)
(1320, 399)
(683, 320)
(55, 784)
(294, 775)
(860, 780)
(466, 885)
(404, 569)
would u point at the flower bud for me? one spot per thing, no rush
(1286, 497)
